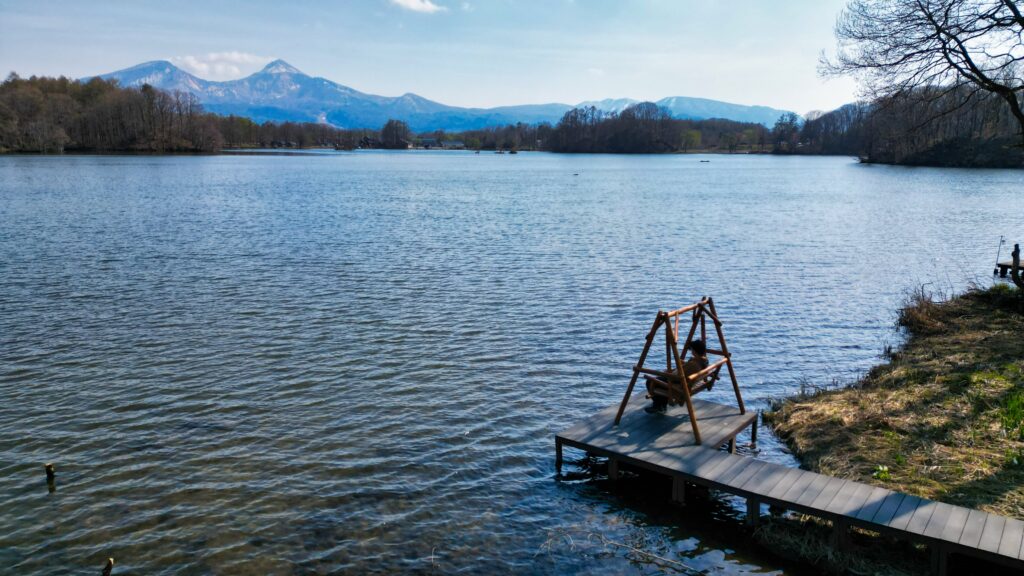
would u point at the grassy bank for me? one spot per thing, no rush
(942, 419)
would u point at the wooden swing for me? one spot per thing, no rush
(674, 382)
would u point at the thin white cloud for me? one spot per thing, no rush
(596, 71)
(221, 65)
(425, 6)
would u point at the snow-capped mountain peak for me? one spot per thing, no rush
(279, 67)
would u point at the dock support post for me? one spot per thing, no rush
(678, 490)
(841, 535)
(558, 456)
(753, 433)
(753, 511)
(732, 445)
(940, 560)
(613, 469)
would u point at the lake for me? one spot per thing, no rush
(356, 362)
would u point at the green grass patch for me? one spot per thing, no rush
(1012, 415)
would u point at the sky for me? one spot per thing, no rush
(460, 52)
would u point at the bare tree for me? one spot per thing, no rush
(963, 47)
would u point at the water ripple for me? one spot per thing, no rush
(356, 363)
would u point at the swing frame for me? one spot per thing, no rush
(682, 386)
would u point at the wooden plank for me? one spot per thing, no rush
(674, 459)
(992, 533)
(747, 474)
(691, 465)
(838, 502)
(851, 500)
(664, 431)
(813, 490)
(721, 458)
(710, 431)
(888, 508)
(973, 526)
(661, 437)
(955, 524)
(829, 492)
(726, 476)
(1013, 535)
(937, 523)
(670, 460)
(874, 502)
(786, 483)
(906, 510)
(636, 436)
(765, 479)
(923, 514)
(721, 465)
(725, 433)
(798, 486)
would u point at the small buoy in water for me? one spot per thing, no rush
(576, 174)
(109, 567)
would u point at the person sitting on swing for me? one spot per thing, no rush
(697, 362)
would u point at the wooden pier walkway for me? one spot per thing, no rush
(664, 443)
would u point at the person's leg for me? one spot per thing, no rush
(659, 402)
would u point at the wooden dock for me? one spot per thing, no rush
(1004, 268)
(664, 443)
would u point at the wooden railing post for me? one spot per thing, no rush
(1015, 268)
(558, 456)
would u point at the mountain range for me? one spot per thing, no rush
(280, 92)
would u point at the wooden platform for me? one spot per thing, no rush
(1004, 268)
(663, 443)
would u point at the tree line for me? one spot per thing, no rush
(47, 115)
(648, 128)
(40, 114)
(926, 126)
(945, 80)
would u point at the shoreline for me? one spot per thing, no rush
(256, 151)
(942, 419)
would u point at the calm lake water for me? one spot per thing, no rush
(356, 362)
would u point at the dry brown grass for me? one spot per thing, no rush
(945, 416)
(809, 539)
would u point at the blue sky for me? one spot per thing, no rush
(460, 52)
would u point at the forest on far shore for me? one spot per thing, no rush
(55, 115)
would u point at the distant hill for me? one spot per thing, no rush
(281, 92)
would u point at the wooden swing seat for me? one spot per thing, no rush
(668, 384)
